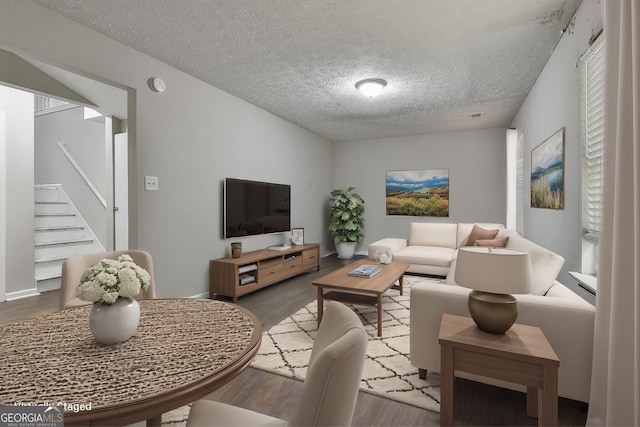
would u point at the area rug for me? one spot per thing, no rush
(286, 348)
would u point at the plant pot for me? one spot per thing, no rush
(346, 250)
(236, 249)
(111, 324)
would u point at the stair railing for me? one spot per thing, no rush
(84, 176)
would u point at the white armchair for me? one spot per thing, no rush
(330, 387)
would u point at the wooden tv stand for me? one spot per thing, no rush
(234, 277)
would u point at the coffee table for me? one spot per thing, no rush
(359, 290)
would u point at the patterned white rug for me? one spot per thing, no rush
(286, 348)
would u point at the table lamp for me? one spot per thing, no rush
(493, 274)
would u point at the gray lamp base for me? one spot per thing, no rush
(493, 313)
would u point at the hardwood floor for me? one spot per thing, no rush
(275, 395)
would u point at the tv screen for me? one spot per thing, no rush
(253, 207)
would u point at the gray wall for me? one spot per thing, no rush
(477, 176)
(20, 256)
(85, 140)
(553, 103)
(191, 137)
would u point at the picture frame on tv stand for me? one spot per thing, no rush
(297, 236)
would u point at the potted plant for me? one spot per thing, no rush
(347, 222)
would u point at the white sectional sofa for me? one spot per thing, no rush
(566, 319)
(431, 247)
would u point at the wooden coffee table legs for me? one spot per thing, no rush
(320, 304)
(374, 300)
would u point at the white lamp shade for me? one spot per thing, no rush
(495, 270)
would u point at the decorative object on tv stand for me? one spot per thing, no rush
(111, 285)
(383, 255)
(297, 236)
(493, 274)
(347, 222)
(236, 249)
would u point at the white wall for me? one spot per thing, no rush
(19, 192)
(191, 137)
(477, 176)
(3, 206)
(553, 103)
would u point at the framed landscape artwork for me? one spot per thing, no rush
(547, 173)
(418, 192)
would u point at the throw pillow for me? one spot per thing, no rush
(493, 243)
(479, 233)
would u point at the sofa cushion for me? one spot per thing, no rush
(493, 243)
(433, 234)
(479, 233)
(545, 265)
(464, 230)
(426, 255)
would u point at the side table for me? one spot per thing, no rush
(522, 355)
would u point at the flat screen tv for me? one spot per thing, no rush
(254, 207)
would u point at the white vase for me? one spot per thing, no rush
(111, 324)
(346, 250)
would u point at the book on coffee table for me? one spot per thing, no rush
(365, 270)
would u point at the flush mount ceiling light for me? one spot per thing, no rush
(371, 87)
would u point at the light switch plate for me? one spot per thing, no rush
(151, 183)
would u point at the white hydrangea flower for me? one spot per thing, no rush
(144, 277)
(111, 279)
(110, 297)
(129, 283)
(90, 291)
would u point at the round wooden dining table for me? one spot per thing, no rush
(182, 350)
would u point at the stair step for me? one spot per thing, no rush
(47, 193)
(64, 243)
(50, 284)
(50, 259)
(65, 248)
(59, 228)
(51, 207)
(58, 234)
(55, 219)
(48, 276)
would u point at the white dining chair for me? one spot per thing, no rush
(73, 268)
(330, 387)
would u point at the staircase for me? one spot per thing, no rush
(60, 232)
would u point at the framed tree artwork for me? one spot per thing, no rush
(547, 173)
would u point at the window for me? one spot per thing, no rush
(515, 182)
(520, 182)
(592, 139)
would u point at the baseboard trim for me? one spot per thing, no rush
(22, 294)
(204, 295)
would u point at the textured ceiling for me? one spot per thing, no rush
(300, 59)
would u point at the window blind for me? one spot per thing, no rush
(520, 183)
(592, 130)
